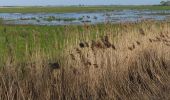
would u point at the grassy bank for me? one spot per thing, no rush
(123, 61)
(21, 42)
(77, 9)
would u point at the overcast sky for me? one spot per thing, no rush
(76, 2)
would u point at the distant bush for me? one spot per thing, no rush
(165, 3)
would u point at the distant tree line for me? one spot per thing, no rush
(165, 3)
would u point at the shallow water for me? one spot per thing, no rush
(118, 16)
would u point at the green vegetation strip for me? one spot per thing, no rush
(77, 9)
(20, 42)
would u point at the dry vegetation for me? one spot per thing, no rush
(134, 64)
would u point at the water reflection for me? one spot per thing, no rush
(84, 17)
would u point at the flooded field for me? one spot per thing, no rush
(116, 16)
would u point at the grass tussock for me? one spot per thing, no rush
(133, 64)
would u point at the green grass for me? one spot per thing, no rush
(134, 66)
(76, 9)
(19, 41)
(1, 20)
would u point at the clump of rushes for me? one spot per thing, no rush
(25, 18)
(95, 17)
(38, 20)
(53, 18)
(33, 18)
(81, 18)
(50, 18)
(69, 19)
(86, 21)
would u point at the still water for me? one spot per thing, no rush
(116, 16)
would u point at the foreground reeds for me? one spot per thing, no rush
(129, 62)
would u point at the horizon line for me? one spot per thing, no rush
(78, 5)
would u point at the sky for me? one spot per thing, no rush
(76, 2)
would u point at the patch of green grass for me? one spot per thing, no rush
(1, 20)
(77, 9)
(21, 41)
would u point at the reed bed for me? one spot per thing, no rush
(126, 61)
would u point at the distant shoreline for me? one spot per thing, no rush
(69, 9)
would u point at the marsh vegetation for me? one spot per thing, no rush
(90, 62)
(69, 9)
(104, 60)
